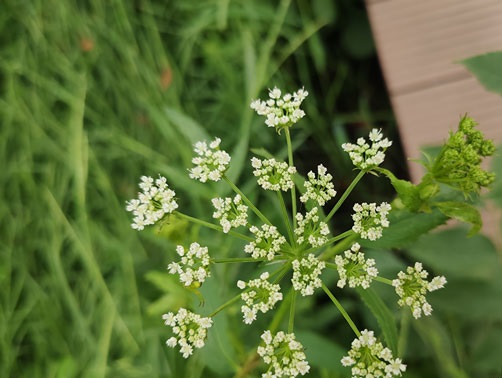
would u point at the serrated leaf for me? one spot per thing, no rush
(405, 228)
(488, 70)
(383, 315)
(463, 212)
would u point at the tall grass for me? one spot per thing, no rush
(94, 94)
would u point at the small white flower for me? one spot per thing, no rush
(369, 358)
(210, 162)
(363, 155)
(260, 295)
(412, 287)
(306, 272)
(354, 268)
(310, 230)
(193, 266)
(370, 219)
(230, 212)
(267, 243)
(320, 188)
(281, 112)
(155, 201)
(283, 355)
(190, 330)
(272, 174)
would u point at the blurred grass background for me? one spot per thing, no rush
(94, 94)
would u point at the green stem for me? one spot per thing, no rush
(341, 309)
(345, 194)
(331, 241)
(340, 247)
(225, 305)
(281, 312)
(213, 226)
(383, 280)
(292, 305)
(286, 218)
(236, 260)
(291, 164)
(403, 334)
(247, 201)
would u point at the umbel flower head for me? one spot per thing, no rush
(458, 162)
(230, 212)
(319, 189)
(153, 202)
(273, 175)
(412, 287)
(310, 230)
(281, 112)
(370, 219)
(306, 272)
(283, 355)
(260, 295)
(267, 243)
(369, 358)
(190, 330)
(210, 162)
(354, 268)
(193, 266)
(365, 156)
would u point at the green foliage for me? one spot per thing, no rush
(486, 68)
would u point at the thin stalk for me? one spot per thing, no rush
(332, 240)
(341, 309)
(281, 311)
(383, 280)
(236, 260)
(291, 164)
(403, 334)
(336, 249)
(345, 194)
(292, 305)
(247, 201)
(286, 218)
(225, 305)
(213, 226)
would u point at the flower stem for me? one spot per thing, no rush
(336, 249)
(246, 199)
(292, 304)
(212, 226)
(383, 280)
(291, 164)
(286, 218)
(341, 309)
(225, 305)
(345, 194)
(236, 260)
(331, 241)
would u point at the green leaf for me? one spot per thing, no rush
(383, 315)
(408, 193)
(488, 70)
(463, 212)
(405, 228)
(321, 352)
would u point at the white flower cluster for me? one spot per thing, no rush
(273, 175)
(283, 354)
(369, 358)
(267, 243)
(363, 155)
(193, 266)
(260, 295)
(211, 162)
(230, 212)
(310, 230)
(320, 188)
(155, 201)
(306, 274)
(412, 287)
(281, 112)
(190, 330)
(370, 219)
(354, 268)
